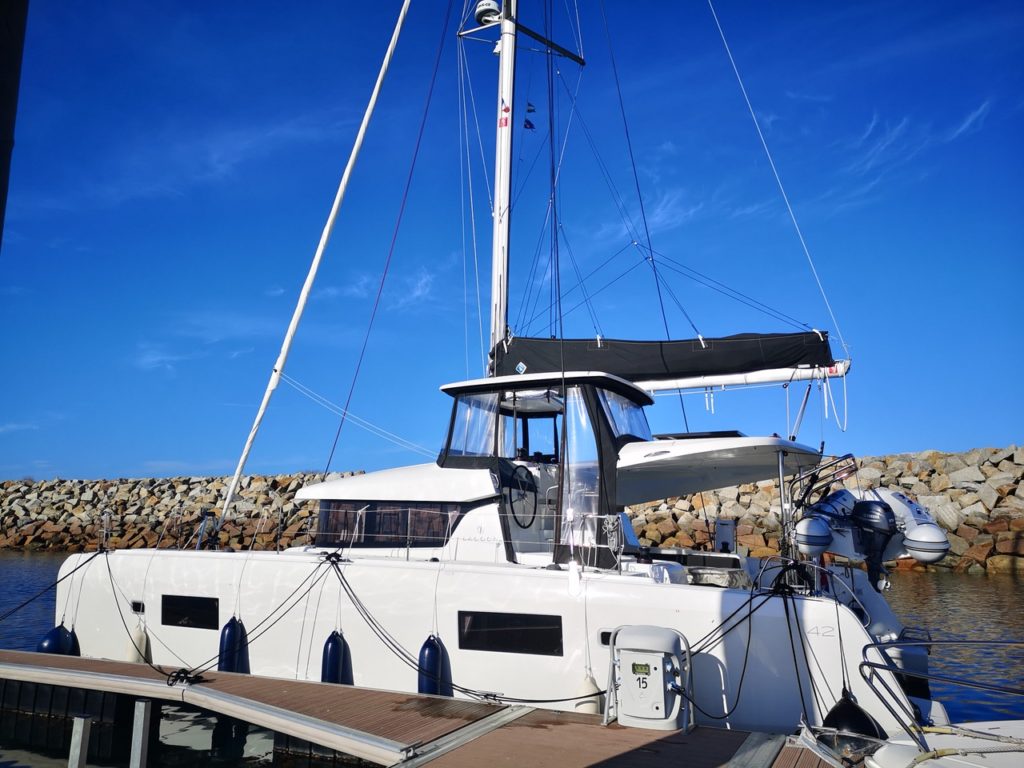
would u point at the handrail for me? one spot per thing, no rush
(910, 725)
(819, 479)
(865, 621)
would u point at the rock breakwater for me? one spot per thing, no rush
(75, 515)
(976, 496)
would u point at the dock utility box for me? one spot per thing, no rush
(650, 677)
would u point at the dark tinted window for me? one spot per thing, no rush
(510, 632)
(189, 611)
(385, 523)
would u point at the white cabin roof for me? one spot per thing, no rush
(658, 469)
(528, 380)
(420, 482)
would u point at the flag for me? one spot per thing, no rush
(528, 125)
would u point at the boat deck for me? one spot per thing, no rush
(391, 728)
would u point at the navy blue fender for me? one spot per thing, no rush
(434, 670)
(60, 641)
(234, 648)
(336, 667)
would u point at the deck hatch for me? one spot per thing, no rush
(533, 633)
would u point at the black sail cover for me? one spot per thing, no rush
(660, 360)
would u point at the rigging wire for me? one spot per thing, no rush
(537, 313)
(636, 178)
(606, 174)
(604, 287)
(391, 437)
(464, 85)
(528, 306)
(583, 287)
(11, 611)
(640, 199)
(282, 609)
(556, 267)
(725, 290)
(778, 179)
(463, 173)
(479, 134)
(394, 235)
(665, 260)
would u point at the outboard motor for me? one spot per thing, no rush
(876, 525)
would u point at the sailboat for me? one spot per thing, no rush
(507, 571)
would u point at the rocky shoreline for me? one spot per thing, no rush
(976, 496)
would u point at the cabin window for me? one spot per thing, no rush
(533, 633)
(473, 427)
(625, 417)
(190, 611)
(386, 523)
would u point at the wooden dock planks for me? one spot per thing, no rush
(567, 740)
(423, 730)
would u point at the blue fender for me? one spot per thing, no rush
(234, 648)
(435, 675)
(335, 667)
(60, 641)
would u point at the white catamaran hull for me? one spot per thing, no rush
(290, 602)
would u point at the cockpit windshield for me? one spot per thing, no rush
(514, 424)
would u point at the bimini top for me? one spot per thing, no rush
(659, 360)
(599, 379)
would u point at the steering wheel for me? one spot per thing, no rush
(521, 495)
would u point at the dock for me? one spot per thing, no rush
(379, 727)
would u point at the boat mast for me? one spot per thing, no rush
(503, 174)
(307, 286)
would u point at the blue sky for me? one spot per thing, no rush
(174, 164)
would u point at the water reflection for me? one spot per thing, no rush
(962, 607)
(23, 575)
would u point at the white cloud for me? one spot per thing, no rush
(360, 287)
(671, 210)
(753, 209)
(893, 142)
(817, 98)
(668, 211)
(415, 290)
(274, 291)
(867, 131)
(169, 160)
(214, 325)
(327, 292)
(153, 357)
(17, 427)
(972, 123)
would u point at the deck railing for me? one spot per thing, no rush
(907, 719)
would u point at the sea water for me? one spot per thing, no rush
(952, 606)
